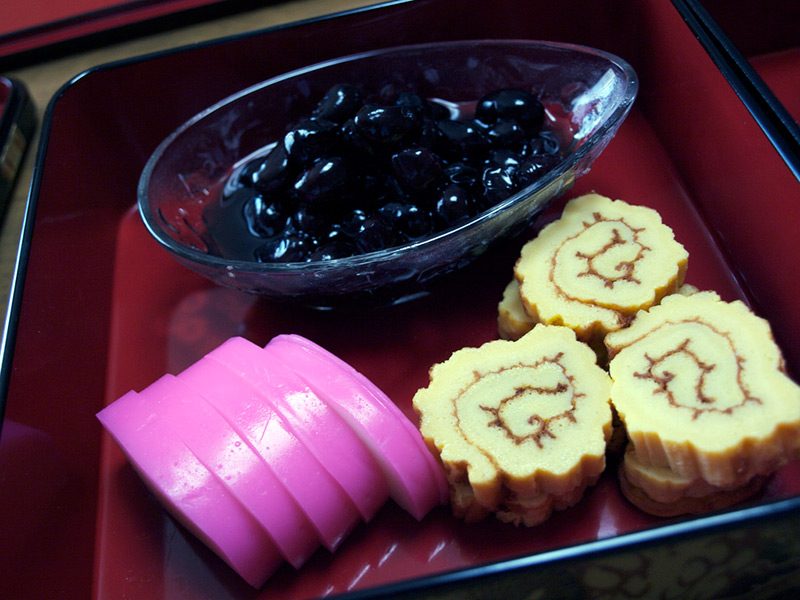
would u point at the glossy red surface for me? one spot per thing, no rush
(104, 310)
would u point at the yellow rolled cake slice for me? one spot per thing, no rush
(512, 320)
(599, 264)
(701, 388)
(662, 492)
(519, 426)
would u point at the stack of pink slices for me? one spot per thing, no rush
(267, 453)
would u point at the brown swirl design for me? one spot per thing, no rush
(665, 380)
(543, 404)
(618, 269)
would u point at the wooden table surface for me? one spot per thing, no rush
(44, 79)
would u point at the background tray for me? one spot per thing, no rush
(98, 309)
(17, 125)
(38, 28)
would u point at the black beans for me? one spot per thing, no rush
(364, 174)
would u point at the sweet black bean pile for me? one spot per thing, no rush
(356, 177)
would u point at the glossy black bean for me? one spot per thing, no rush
(373, 235)
(248, 172)
(273, 172)
(453, 205)
(351, 223)
(324, 182)
(340, 103)
(463, 139)
(498, 184)
(505, 158)
(518, 105)
(388, 126)
(544, 143)
(331, 250)
(463, 175)
(306, 219)
(265, 217)
(507, 133)
(417, 170)
(311, 139)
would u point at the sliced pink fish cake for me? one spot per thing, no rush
(329, 510)
(188, 490)
(416, 480)
(340, 450)
(236, 464)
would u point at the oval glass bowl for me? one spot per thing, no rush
(587, 93)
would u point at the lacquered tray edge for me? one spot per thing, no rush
(775, 513)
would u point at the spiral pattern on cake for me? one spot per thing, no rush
(598, 264)
(520, 427)
(701, 388)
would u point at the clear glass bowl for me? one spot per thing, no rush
(587, 93)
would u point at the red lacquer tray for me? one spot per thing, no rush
(98, 309)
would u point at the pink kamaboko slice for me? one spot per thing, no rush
(416, 481)
(340, 450)
(188, 490)
(330, 511)
(226, 454)
(288, 524)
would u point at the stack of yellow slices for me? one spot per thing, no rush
(695, 392)
(520, 426)
(707, 406)
(593, 269)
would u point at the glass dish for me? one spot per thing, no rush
(586, 92)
